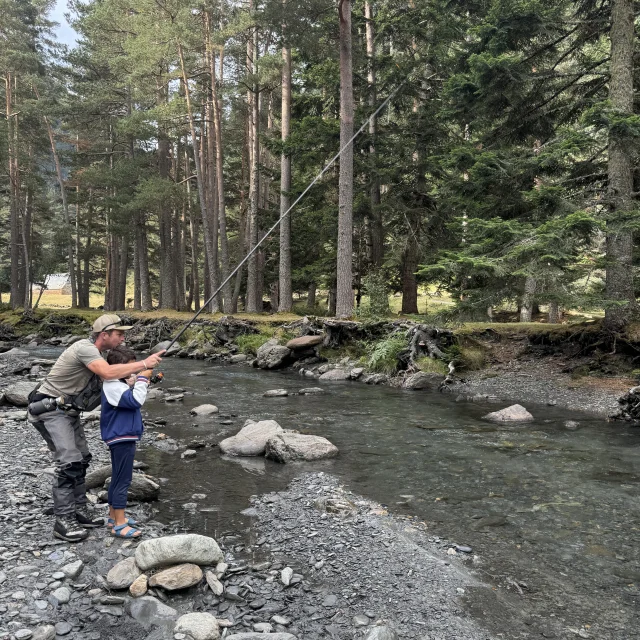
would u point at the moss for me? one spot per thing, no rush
(432, 365)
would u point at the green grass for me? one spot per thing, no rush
(251, 342)
(432, 365)
(472, 358)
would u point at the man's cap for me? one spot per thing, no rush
(108, 322)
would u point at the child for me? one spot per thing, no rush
(121, 428)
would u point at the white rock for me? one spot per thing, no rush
(199, 626)
(62, 595)
(285, 576)
(204, 410)
(188, 547)
(189, 453)
(287, 447)
(46, 632)
(123, 574)
(262, 627)
(336, 374)
(276, 393)
(214, 584)
(514, 413)
(73, 569)
(251, 440)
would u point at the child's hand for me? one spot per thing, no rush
(131, 380)
(147, 373)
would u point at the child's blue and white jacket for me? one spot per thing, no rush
(120, 417)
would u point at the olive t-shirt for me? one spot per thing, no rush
(70, 375)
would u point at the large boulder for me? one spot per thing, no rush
(150, 611)
(423, 380)
(204, 410)
(514, 413)
(97, 477)
(162, 346)
(336, 374)
(123, 574)
(186, 547)
(14, 353)
(287, 447)
(251, 440)
(271, 355)
(305, 342)
(181, 576)
(141, 489)
(199, 626)
(17, 394)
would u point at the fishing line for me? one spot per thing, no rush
(286, 213)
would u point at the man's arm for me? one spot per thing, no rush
(116, 371)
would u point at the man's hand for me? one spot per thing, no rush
(147, 373)
(153, 360)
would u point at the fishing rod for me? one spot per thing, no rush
(285, 214)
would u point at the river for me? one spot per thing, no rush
(552, 508)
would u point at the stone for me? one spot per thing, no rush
(139, 586)
(45, 632)
(187, 547)
(382, 632)
(23, 634)
(514, 413)
(63, 628)
(254, 635)
(262, 627)
(423, 380)
(330, 601)
(199, 626)
(285, 576)
(204, 410)
(97, 477)
(356, 373)
(276, 393)
(336, 374)
(161, 346)
(288, 447)
(360, 620)
(305, 342)
(61, 595)
(189, 453)
(310, 391)
(123, 574)
(142, 488)
(73, 569)
(57, 575)
(17, 394)
(375, 378)
(181, 576)
(251, 440)
(148, 611)
(214, 584)
(571, 425)
(271, 355)
(14, 353)
(281, 620)
(239, 357)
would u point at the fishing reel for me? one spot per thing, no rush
(156, 378)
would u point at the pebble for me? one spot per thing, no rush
(18, 595)
(58, 575)
(23, 634)
(72, 570)
(62, 595)
(330, 601)
(285, 576)
(360, 620)
(262, 627)
(281, 620)
(46, 632)
(189, 453)
(63, 628)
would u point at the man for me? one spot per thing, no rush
(61, 428)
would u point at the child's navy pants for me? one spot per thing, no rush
(122, 455)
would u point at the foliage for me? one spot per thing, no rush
(382, 356)
(432, 365)
(249, 343)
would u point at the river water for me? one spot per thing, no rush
(555, 509)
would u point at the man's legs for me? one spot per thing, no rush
(79, 490)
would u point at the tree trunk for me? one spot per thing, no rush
(285, 303)
(26, 247)
(409, 280)
(311, 296)
(206, 227)
(123, 267)
(554, 313)
(142, 253)
(253, 295)
(14, 191)
(331, 301)
(619, 238)
(86, 280)
(344, 290)
(209, 167)
(375, 242)
(526, 308)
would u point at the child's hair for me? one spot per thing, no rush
(121, 355)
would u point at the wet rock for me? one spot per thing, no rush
(356, 373)
(148, 611)
(204, 410)
(239, 357)
(62, 595)
(375, 378)
(251, 440)
(276, 393)
(123, 575)
(142, 488)
(155, 394)
(336, 374)
(17, 394)
(310, 391)
(463, 549)
(183, 548)
(45, 632)
(98, 477)
(514, 413)
(189, 453)
(571, 425)
(423, 380)
(214, 584)
(271, 355)
(305, 342)
(63, 628)
(161, 346)
(199, 626)
(382, 632)
(73, 569)
(174, 398)
(139, 586)
(288, 447)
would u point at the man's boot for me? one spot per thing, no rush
(87, 520)
(67, 528)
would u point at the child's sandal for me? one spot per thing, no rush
(118, 530)
(111, 522)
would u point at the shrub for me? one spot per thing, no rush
(432, 365)
(383, 355)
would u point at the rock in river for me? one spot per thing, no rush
(181, 576)
(423, 380)
(336, 374)
(514, 413)
(199, 626)
(271, 355)
(276, 393)
(17, 394)
(204, 410)
(251, 440)
(123, 575)
(287, 447)
(187, 547)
